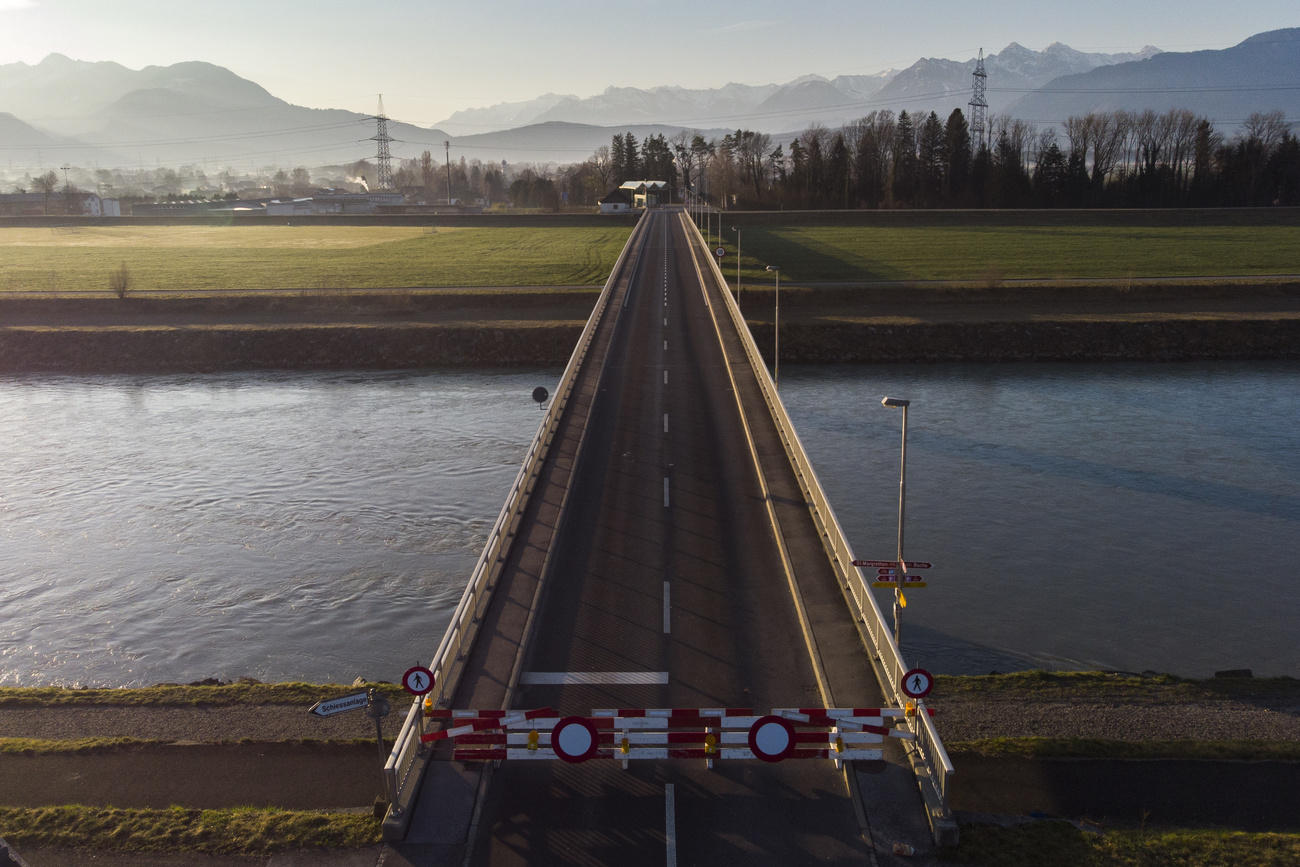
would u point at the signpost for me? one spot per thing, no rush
(909, 581)
(376, 707)
(356, 701)
(418, 680)
(917, 683)
(881, 564)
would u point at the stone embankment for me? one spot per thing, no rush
(393, 329)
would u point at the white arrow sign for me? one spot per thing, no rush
(356, 701)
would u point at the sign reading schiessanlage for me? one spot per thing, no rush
(356, 701)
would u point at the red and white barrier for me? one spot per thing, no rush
(625, 734)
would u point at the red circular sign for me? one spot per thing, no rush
(917, 683)
(418, 680)
(771, 738)
(574, 739)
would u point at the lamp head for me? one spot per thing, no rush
(894, 401)
(772, 268)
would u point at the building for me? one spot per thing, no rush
(617, 202)
(333, 203)
(58, 203)
(645, 194)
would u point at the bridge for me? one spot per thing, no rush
(666, 548)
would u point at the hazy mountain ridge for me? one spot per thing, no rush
(928, 83)
(935, 84)
(1261, 73)
(63, 111)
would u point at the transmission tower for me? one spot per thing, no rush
(384, 158)
(979, 105)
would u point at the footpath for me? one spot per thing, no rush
(200, 754)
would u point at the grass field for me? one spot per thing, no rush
(989, 254)
(304, 257)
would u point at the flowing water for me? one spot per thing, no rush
(320, 526)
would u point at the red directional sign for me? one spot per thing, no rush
(882, 563)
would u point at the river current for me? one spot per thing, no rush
(321, 526)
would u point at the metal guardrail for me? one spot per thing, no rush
(449, 660)
(936, 768)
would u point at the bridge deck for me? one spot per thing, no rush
(651, 563)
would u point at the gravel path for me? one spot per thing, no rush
(968, 719)
(269, 722)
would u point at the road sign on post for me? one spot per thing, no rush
(418, 680)
(880, 564)
(356, 701)
(917, 683)
(720, 252)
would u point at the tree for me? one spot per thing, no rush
(836, 190)
(1049, 176)
(300, 182)
(932, 161)
(280, 184)
(874, 155)
(957, 146)
(905, 165)
(631, 157)
(816, 171)
(429, 176)
(46, 184)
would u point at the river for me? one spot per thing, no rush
(320, 526)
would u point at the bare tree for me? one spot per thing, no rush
(46, 184)
(1267, 128)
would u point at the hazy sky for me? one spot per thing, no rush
(430, 58)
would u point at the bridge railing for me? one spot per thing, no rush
(400, 771)
(935, 768)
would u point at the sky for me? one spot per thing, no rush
(432, 58)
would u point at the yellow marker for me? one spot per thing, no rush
(428, 705)
(839, 744)
(902, 600)
(710, 743)
(533, 737)
(910, 708)
(625, 745)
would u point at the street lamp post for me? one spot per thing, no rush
(737, 231)
(900, 570)
(776, 329)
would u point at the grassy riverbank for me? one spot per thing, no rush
(125, 742)
(992, 254)
(200, 258)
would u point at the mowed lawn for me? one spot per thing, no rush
(994, 253)
(305, 257)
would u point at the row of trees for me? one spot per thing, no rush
(1102, 159)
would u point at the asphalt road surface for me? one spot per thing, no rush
(664, 588)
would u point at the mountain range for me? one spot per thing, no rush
(63, 111)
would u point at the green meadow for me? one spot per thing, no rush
(990, 254)
(185, 258)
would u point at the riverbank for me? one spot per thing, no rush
(1150, 320)
(186, 749)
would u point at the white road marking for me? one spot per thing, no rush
(665, 422)
(667, 621)
(585, 678)
(665, 492)
(665, 377)
(665, 322)
(665, 344)
(670, 824)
